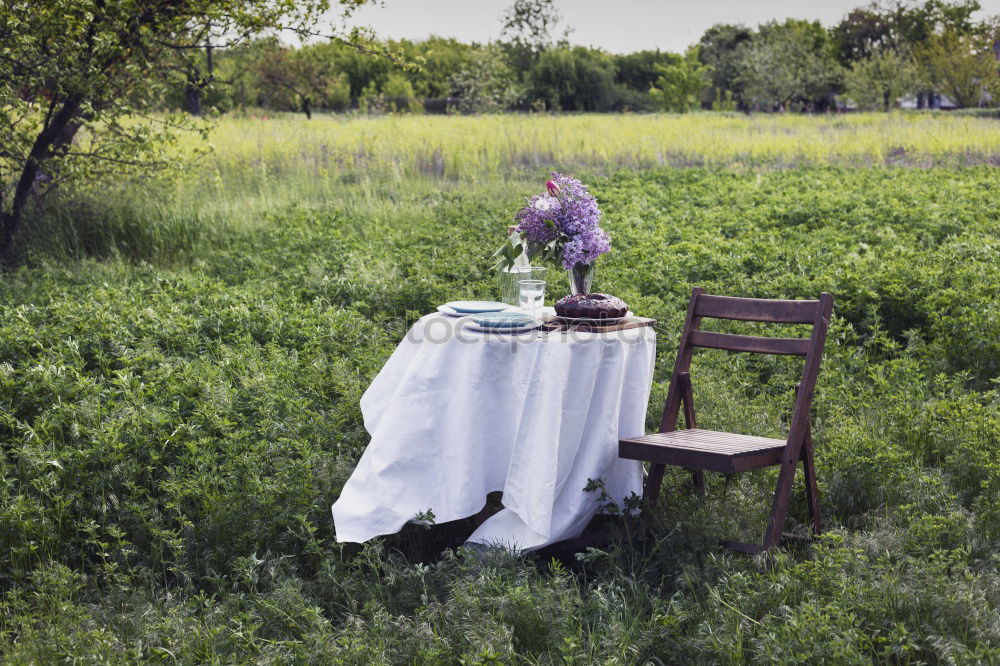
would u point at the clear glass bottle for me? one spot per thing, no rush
(521, 270)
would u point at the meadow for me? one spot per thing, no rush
(181, 363)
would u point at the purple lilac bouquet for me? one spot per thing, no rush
(562, 224)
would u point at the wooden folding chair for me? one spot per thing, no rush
(699, 450)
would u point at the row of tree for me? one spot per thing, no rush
(876, 56)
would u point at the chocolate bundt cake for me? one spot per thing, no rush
(591, 306)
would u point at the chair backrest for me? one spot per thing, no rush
(703, 305)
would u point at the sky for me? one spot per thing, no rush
(619, 26)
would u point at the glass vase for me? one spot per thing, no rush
(581, 278)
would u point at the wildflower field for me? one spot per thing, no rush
(181, 363)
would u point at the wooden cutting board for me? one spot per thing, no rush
(627, 323)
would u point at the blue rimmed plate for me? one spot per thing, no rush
(476, 307)
(502, 319)
(447, 310)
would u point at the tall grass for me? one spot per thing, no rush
(258, 149)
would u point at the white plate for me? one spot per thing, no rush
(477, 307)
(589, 320)
(473, 326)
(451, 312)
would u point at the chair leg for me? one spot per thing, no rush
(779, 506)
(698, 480)
(782, 497)
(654, 479)
(812, 489)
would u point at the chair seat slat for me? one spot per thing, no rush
(699, 434)
(756, 309)
(713, 445)
(710, 441)
(750, 343)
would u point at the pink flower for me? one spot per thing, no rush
(553, 188)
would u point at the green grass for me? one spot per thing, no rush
(484, 148)
(179, 386)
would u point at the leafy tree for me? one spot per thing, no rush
(638, 70)
(361, 70)
(879, 80)
(301, 79)
(399, 94)
(873, 31)
(235, 77)
(576, 79)
(680, 83)
(233, 81)
(529, 24)
(440, 60)
(527, 31)
(863, 33)
(900, 26)
(370, 100)
(962, 66)
(918, 23)
(486, 83)
(72, 65)
(723, 50)
(790, 65)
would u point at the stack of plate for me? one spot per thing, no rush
(503, 322)
(490, 316)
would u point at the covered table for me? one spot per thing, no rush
(456, 414)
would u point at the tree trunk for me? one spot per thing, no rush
(192, 95)
(885, 100)
(196, 83)
(307, 108)
(58, 133)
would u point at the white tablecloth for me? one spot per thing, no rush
(455, 417)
